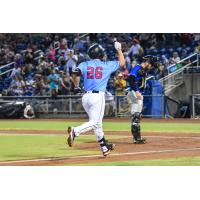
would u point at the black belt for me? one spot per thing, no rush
(92, 91)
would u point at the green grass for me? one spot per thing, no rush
(180, 161)
(108, 126)
(16, 147)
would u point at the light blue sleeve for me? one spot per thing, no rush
(113, 66)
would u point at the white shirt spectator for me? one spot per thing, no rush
(71, 62)
(66, 54)
(134, 50)
(165, 61)
(175, 59)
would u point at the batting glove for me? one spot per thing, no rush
(118, 46)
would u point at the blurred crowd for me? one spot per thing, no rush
(43, 63)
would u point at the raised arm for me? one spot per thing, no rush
(120, 54)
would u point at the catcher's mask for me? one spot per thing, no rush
(153, 60)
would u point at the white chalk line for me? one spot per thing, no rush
(123, 136)
(97, 156)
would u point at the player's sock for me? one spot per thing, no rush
(102, 141)
(103, 144)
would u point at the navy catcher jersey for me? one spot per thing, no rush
(137, 78)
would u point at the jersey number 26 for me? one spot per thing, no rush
(94, 73)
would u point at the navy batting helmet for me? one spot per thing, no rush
(96, 51)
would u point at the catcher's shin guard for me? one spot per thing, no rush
(135, 129)
(135, 125)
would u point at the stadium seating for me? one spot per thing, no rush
(104, 39)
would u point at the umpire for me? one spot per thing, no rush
(137, 82)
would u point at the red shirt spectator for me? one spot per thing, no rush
(52, 54)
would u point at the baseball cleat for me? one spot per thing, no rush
(139, 141)
(71, 136)
(106, 153)
(109, 148)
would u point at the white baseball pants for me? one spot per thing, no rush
(136, 104)
(94, 105)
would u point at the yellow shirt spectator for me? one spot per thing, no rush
(120, 85)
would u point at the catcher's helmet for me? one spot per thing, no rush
(96, 51)
(153, 60)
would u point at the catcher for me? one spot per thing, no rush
(137, 82)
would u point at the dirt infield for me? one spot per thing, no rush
(159, 146)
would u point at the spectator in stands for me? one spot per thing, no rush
(110, 86)
(66, 52)
(9, 55)
(144, 37)
(128, 61)
(165, 61)
(80, 56)
(51, 54)
(20, 48)
(184, 54)
(78, 44)
(124, 72)
(120, 85)
(153, 45)
(136, 50)
(161, 71)
(71, 62)
(28, 57)
(63, 44)
(12, 86)
(15, 72)
(39, 69)
(62, 64)
(65, 86)
(45, 66)
(160, 39)
(168, 40)
(152, 41)
(197, 48)
(20, 86)
(53, 80)
(175, 58)
(29, 86)
(18, 60)
(186, 38)
(39, 86)
(196, 37)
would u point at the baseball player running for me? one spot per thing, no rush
(96, 74)
(137, 82)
